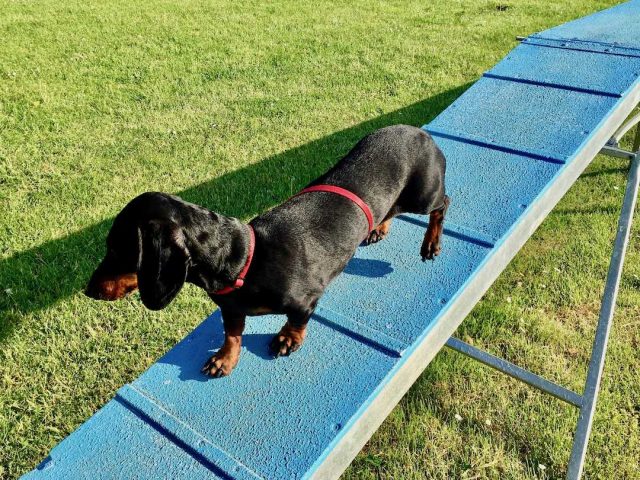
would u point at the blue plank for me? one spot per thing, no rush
(616, 27)
(489, 188)
(266, 402)
(607, 74)
(508, 140)
(542, 121)
(360, 331)
(183, 434)
(116, 443)
(396, 293)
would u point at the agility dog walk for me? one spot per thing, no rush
(515, 142)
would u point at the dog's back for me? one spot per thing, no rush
(395, 170)
(396, 164)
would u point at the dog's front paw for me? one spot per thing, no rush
(221, 364)
(287, 341)
(430, 249)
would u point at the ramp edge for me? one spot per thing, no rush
(356, 433)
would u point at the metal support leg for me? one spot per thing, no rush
(587, 401)
(516, 372)
(612, 147)
(594, 374)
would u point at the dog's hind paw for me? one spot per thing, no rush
(283, 346)
(374, 237)
(430, 250)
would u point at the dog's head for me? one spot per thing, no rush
(146, 250)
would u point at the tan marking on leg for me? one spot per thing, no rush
(379, 232)
(225, 360)
(431, 245)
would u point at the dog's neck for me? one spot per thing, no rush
(219, 252)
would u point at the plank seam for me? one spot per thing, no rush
(358, 331)
(531, 41)
(552, 85)
(578, 41)
(457, 231)
(469, 139)
(199, 447)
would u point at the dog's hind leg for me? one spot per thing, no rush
(431, 245)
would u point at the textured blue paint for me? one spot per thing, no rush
(544, 120)
(607, 74)
(202, 447)
(116, 443)
(506, 139)
(275, 416)
(402, 302)
(360, 331)
(472, 181)
(615, 27)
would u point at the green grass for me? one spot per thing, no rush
(236, 107)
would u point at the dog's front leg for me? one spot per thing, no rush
(224, 361)
(291, 335)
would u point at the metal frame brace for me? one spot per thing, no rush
(587, 401)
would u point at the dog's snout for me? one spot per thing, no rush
(111, 288)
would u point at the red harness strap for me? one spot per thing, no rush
(316, 188)
(240, 280)
(344, 193)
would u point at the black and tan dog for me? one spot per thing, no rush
(284, 259)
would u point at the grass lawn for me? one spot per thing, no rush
(236, 107)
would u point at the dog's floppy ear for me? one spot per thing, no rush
(163, 263)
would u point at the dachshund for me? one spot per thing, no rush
(284, 259)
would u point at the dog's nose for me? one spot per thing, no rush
(94, 290)
(91, 292)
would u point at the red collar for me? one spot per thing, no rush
(316, 188)
(345, 193)
(240, 280)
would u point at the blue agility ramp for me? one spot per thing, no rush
(515, 142)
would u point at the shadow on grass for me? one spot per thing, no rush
(606, 171)
(39, 277)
